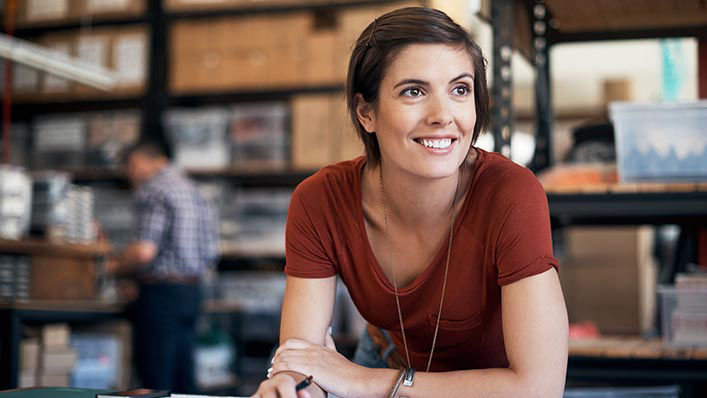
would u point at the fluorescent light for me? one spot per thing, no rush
(56, 63)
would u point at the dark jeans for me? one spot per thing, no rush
(367, 353)
(164, 326)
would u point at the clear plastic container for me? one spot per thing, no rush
(661, 141)
(683, 315)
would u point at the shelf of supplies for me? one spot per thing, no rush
(65, 305)
(632, 357)
(94, 173)
(35, 29)
(250, 95)
(274, 7)
(256, 177)
(13, 315)
(577, 21)
(27, 110)
(628, 208)
(246, 177)
(46, 248)
(232, 260)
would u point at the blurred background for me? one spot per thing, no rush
(601, 99)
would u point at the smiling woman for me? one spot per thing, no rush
(445, 248)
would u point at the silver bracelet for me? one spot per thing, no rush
(409, 377)
(398, 381)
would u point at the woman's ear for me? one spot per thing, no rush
(365, 114)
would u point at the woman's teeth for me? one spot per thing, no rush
(438, 144)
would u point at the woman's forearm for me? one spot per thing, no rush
(487, 383)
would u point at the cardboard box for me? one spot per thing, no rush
(609, 277)
(124, 50)
(322, 132)
(28, 378)
(44, 11)
(55, 335)
(111, 8)
(262, 51)
(25, 81)
(57, 360)
(347, 143)
(54, 380)
(51, 86)
(352, 21)
(312, 139)
(94, 47)
(129, 59)
(321, 51)
(29, 355)
(184, 5)
(62, 278)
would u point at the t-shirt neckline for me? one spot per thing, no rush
(435, 263)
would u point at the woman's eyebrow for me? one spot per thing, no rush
(424, 83)
(463, 75)
(411, 81)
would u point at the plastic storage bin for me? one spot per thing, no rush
(661, 142)
(683, 315)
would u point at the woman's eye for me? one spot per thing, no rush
(412, 92)
(461, 90)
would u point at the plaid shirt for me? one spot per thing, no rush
(172, 213)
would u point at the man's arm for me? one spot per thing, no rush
(132, 258)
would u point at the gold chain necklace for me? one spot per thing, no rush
(392, 267)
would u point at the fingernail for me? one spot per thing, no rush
(329, 330)
(272, 360)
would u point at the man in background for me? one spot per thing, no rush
(175, 244)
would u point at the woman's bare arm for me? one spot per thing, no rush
(535, 334)
(306, 314)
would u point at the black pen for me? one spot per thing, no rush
(304, 383)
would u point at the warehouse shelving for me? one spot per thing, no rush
(153, 102)
(533, 27)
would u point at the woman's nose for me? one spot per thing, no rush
(439, 112)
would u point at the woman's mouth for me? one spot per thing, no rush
(435, 143)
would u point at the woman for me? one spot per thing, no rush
(444, 248)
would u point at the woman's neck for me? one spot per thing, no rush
(412, 201)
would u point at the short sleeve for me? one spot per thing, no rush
(305, 253)
(524, 244)
(151, 218)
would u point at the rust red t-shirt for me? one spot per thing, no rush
(501, 235)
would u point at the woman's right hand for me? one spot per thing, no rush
(281, 385)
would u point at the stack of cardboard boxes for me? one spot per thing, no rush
(56, 12)
(322, 131)
(608, 276)
(272, 51)
(49, 360)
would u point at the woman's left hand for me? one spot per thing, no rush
(331, 370)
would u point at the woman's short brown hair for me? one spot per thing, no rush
(383, 39)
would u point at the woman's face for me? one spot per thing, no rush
(425, 115)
